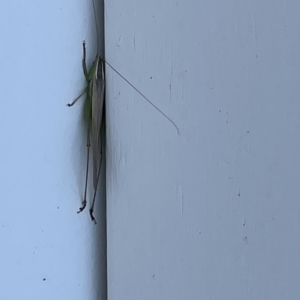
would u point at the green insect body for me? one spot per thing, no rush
(94, 118)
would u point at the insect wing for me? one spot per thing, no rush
(98, 90)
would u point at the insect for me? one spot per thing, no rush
(95, 120)
(94, 115)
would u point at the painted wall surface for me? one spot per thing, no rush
(48, 251)
(212, 213)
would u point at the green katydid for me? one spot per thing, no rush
(94, 112)
(94, 117)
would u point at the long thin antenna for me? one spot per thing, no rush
(150, 102)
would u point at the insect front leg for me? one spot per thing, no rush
(85, 72)
(77, 98)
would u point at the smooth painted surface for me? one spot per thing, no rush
(47, 250)
(212, 213)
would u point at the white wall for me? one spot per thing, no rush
(212, 213)
(47, 250)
